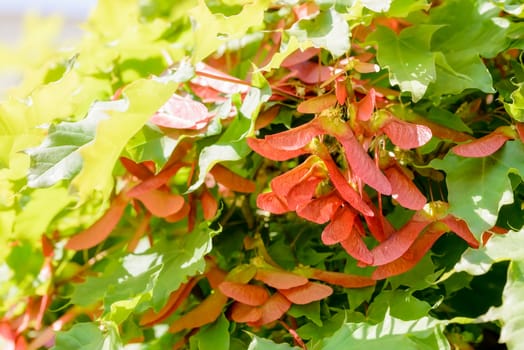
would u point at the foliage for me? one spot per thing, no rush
(266, 175)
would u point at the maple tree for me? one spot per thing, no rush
(267, 174)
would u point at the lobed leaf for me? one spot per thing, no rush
(124, 119)
(477, 199)
(328, 30)
(408, 57)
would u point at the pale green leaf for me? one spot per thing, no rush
(218, 153)
(499, 248)
(391, 333)
(516, 108)
(477, 199)
(266, 344)
(37, 214)
(142, 99)
(511, 312)
(408, 57)
(57, 157)
(377, 5)
(402, 8)
(400, 304)
(214, 29)
(328, 30)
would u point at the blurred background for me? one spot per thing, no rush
(29, 26)
(12, 14)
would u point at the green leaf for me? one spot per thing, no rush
(477, 199)
(400, 304)
(510, 312)
(142, 99)
(459, 66)
(39, 211)
(232, 146)
(456, 73)
(57, 158)
(516, 108)
(314, 332)
(499, 248)
(391, 333)
(214, 336)
(311, 311)
(266, 344)
(377, 5)
(408, 57)
(448, 119)
(149, 277)
(328, 30)
(402, 8)
(215, 29)
(88, 336)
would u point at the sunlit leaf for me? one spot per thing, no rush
(425, 332)
(477, 199)
(327, 30)
(142, 99)
(516, 108)
(408, 57)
